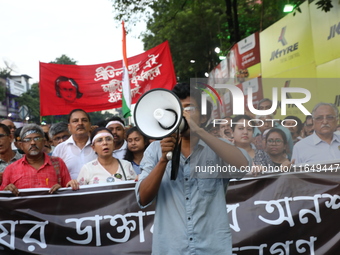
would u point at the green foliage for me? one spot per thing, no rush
(64, 60)
(324, 5)
(195, 27)
(97, 117)
(5, 72)
(31, 100)
(2, 91)
(191, 29)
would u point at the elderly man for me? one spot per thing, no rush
(59, 133)
(77, 150)
(323, 145)
(36, 169)
(117, 127)
(7, 155)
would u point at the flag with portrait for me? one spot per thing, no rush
(99, 87)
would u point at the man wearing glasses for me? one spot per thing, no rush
(323, 145)
(59, 133)
(36, 169)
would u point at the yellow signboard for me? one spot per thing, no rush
(287, 44)
(329, 69)
(326, 33)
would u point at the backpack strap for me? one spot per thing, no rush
(56, 166)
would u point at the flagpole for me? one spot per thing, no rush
(126, 95)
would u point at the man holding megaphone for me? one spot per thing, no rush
(191, 215)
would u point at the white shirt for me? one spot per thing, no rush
(120, 153)
(314, 150)
(94, 173)
(73, 156)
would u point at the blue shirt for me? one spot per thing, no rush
(135, 167)
(314, 150)
(191, 215)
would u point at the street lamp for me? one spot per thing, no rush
(217, 50)
(288, 8)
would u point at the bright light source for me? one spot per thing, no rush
(27, 118)
(288, 8)
(222, 57)
(206, 74)
(192, 61)
(10, 114)
(217, 50)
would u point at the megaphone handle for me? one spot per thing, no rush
(169, 155)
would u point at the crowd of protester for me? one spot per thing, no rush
(81, 153)
(271, 143)
(69, 154)
(117, 155)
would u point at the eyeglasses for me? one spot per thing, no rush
(101, 140)
(265, 107)
(35, 139)
(190, 109)
(11, 127)
(3, 136)
(58, 138)
(327, 117)
(272, 141)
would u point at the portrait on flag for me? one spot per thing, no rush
(67, 88)
(99, 87)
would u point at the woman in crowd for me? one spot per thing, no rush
(137, 143)
(276, 142)
(105, 168)
(243, 137)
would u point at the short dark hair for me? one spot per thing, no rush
(240, 117)
(279, 131)
(57, 128)
(73, 83)
(184, 90)
(77, 110)
(5, 128)
(17, 134)
(115, 118)
(298, 121)
(264, 100)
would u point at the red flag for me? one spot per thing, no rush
(99, 87)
